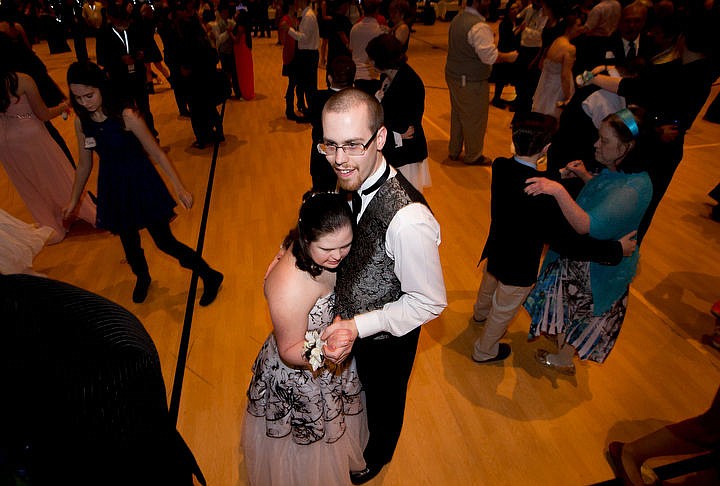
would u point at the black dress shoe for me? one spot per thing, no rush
(362, 477)
(498, 103)
(503, 352)
(482, 160)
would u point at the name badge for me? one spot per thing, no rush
(90, 142)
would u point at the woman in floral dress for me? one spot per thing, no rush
(305, 422)
(583, 304)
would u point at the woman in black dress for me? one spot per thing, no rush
(131, 194)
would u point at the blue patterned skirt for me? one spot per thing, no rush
(562, 302)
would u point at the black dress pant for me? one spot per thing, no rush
(306, 62)
(384, 363)
(166, 242)
(528, 76)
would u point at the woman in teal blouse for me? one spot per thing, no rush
(584, 303)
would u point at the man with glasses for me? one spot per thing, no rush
(391, 282)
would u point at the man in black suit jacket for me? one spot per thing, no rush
(340, 75)
(628, 48)
(120, 53)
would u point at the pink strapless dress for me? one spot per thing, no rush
(38, 168)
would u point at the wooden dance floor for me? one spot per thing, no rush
(507, 423)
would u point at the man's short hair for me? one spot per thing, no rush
(343, 101)
(531, 132)
(342, 70)
(371, 7)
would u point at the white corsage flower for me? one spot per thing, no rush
(313, 350)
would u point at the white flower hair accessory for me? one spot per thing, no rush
(313, 350)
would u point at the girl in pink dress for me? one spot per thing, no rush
(34, 163)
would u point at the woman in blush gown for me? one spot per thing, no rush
(557, 84)
(35, 164)
(19, 243)
(305, 423)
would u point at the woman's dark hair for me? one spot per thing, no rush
(90, 74)
(571, 18)
(321, 213)
(386, 52)
(7, 75)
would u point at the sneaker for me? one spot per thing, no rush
(715, 309)
(715, 340)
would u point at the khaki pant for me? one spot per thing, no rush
(498, 303)
(468, 117)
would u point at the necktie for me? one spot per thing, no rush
(357, 200)
(632, 51)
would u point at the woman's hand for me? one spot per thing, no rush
(629, 243)
(185, 197)
(339, 337)
(541, 185)
(576, 168)
(599, 69)
(409, 133)
(67, 111)
(667, 133)
(68, 212)
(278, 257)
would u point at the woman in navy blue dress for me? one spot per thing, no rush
(131, 193)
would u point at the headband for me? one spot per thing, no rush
(629, 120)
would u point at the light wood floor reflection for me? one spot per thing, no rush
(500, 424)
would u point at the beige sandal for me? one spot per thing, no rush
(542, 357)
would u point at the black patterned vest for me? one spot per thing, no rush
(366, 281)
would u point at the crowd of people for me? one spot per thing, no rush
(605, 93)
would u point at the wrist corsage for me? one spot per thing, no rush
(313, 350)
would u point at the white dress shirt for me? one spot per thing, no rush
(308, 33)
(482, 39)
(411, 241)
(626, 45)
(360, 35)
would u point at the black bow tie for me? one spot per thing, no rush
(357, 200)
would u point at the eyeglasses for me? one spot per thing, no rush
(350, 149)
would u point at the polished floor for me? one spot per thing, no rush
(502, 424)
